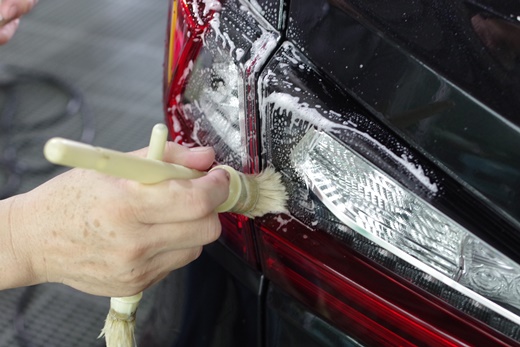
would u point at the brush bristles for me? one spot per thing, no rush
(268, 191)
(119, 330)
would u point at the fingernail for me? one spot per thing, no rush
(228, 177)
(200, 149)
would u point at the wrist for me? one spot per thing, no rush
(16, 245)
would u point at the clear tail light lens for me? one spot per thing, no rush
(376, 206)
(213, 56)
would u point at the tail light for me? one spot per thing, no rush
(379, 208)
(371, 245)
(213, 61)
(392, 252)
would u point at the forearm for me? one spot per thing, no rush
(15, 267)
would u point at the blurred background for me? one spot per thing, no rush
(87, 70)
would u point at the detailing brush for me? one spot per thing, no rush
(249, 195)
(120, 322)
(254, 195)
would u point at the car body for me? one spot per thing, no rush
(395, 127)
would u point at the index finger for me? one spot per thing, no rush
(198, 158)
(180, 200)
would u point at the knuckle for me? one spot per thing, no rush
(134, 278)
(199, 201)
(135, 252)
(128, 261)
(138, 204)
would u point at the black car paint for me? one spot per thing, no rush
(408, 66)
(387, 55)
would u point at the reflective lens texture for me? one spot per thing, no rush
(214, 52)
(214, 103)
(351, 177)
(373, 204)
(211, 101)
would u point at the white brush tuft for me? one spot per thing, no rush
(119, 330)
(120, 322)
(271, 194)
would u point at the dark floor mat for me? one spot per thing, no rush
(110, 54)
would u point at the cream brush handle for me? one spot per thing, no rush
(120, 321)
(76, 154)
(148, 170)
(128, 305)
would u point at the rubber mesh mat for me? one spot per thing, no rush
(56, 315)
(102, 61)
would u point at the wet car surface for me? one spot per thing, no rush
(395, 128)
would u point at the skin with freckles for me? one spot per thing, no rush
(11, 11)
(104, 235)
(109, 236)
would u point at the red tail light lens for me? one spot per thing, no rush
(187, 24)
(345, 294)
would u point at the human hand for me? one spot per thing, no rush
(113, 237)
(11, 11)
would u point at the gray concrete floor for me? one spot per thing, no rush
(111, 54)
